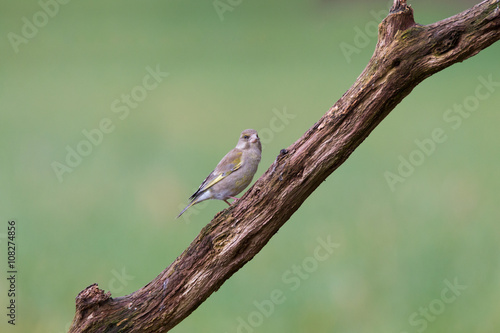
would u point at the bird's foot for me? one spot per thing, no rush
(235, 199)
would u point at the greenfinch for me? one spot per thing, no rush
(233, 173)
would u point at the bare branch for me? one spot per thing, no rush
(406, 54)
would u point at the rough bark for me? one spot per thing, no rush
(406, 54)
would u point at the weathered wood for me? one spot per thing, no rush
(406, 54)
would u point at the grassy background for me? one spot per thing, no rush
(112, 219)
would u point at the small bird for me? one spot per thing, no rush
(233, 173)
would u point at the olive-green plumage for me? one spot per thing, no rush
(233, 173)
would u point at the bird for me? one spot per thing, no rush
(233, 173)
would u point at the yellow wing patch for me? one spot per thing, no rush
(221, 176)
(219, 173)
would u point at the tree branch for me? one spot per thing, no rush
(406, 54)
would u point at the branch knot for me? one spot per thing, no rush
(91, 296)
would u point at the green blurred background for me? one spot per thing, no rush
(112, 219)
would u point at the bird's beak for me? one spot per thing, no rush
(254, 138)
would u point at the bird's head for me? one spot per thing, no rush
(249, 139)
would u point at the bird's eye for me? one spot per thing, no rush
(246, 137)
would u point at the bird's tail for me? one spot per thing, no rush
(186, 208)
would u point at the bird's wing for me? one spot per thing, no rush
(230, 163)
